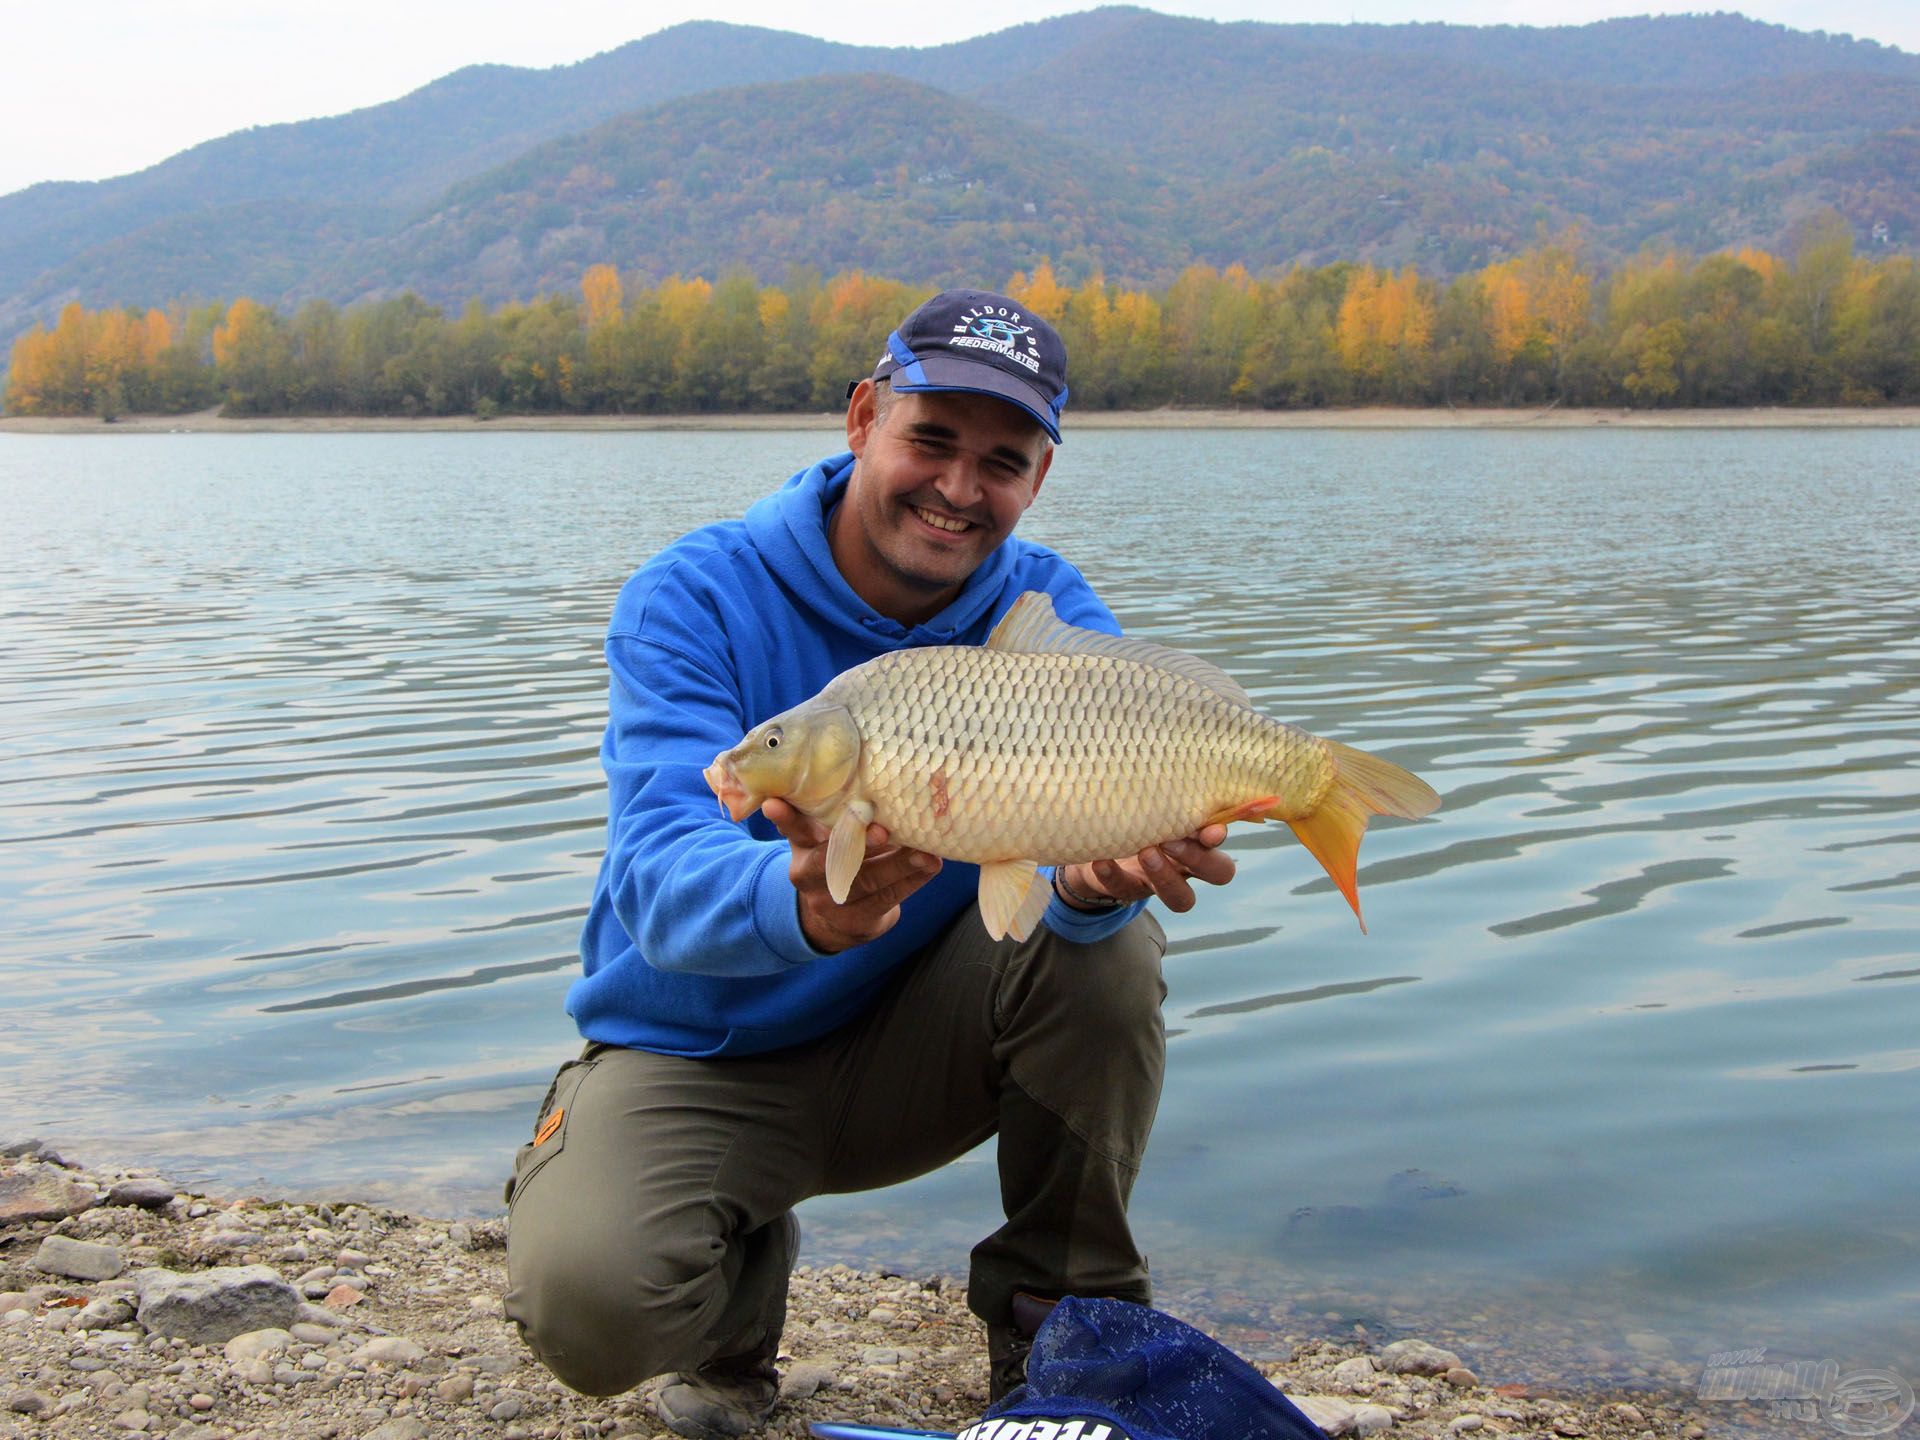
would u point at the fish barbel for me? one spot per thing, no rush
(1051, 744)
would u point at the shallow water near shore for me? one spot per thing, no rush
(299, 813)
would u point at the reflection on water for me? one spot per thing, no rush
(299, 813)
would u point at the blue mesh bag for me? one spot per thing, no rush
(1110, 1370)
(1148, 1376)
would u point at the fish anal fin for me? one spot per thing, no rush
(1252, 810)
(1011, 898)
(1032, 628)
(846, 852)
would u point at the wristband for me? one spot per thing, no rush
(1078, 901)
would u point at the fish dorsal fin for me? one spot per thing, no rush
(1031, 628)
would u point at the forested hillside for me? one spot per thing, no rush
(1141, 142)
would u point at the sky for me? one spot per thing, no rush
(93, 88)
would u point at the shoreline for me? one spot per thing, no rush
(389, 1326)
(1360, 418)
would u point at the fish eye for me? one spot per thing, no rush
(773, 740)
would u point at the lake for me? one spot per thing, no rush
(300, 812)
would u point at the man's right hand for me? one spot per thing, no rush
(887, 876)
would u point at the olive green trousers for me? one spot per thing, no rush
(650, 1226)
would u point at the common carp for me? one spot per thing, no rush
(1052, 744)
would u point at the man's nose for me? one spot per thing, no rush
(959, 482)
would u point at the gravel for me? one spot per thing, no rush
(418, 1348)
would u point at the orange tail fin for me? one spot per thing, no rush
(1363, 786)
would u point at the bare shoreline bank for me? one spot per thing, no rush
(119, 1312)
(1366, 418)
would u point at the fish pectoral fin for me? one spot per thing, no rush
(1011, 898)
(1254, 810)
(846, 851)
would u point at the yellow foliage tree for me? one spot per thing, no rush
(1043, 294)
(600, 288)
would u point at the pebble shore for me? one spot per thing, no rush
(129, 1308)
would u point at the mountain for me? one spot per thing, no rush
(1142, 142)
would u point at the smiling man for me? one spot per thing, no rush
(750, 1042)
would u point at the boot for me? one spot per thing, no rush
(1008, 1345)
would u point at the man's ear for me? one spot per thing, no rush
(863, 414)
(1040, 473)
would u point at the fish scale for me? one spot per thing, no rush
(1051, 745)
(982, 755)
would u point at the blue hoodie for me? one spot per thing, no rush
(693, 944)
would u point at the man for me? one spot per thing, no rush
(750, 1042)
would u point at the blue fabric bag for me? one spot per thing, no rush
(1110, 1370)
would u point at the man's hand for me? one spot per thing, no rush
(1158, 870)
(888, 876)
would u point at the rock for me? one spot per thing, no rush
(78, 1259)
(107, 1313)
(36, 1195)
(320, 1315)
(255, 1372)
(28, 1402)
(511, 1408)
(353, 1260)
(403, 1428)
(308, 1333)
(210, 1307)
(1567, 1425)
(1356, 1374)
(389, 1350)
(461, 1234)
(1332, 1414)
(1645, 1342)
(805, 1378)
(455, 1389)
(1417, 1357)
(146, 1194)
(341, 1297)
(879, 1355)
(201, 1402)
(1371, 1419)
(1629, 1414)
(257, 1344)
(133, 1420)
(11, 1300)
(1461, 1378)
(1462, 1423)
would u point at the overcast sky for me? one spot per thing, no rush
(92, 88)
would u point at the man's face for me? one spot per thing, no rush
(935, 488)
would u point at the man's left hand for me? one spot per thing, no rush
(1164, 871)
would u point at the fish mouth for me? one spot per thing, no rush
(738, 801)
(940, 520)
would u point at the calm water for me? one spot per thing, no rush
(299, 814)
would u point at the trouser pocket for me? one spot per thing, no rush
(549, 1127)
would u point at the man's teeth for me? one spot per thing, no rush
(940, 522)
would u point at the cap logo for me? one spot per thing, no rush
(996, 328)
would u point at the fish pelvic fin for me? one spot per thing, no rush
(1363, 786)
(1012, 899)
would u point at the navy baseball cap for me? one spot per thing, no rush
(988, 344)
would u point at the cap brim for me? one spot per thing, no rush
(951, 372)
(854, 1430)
